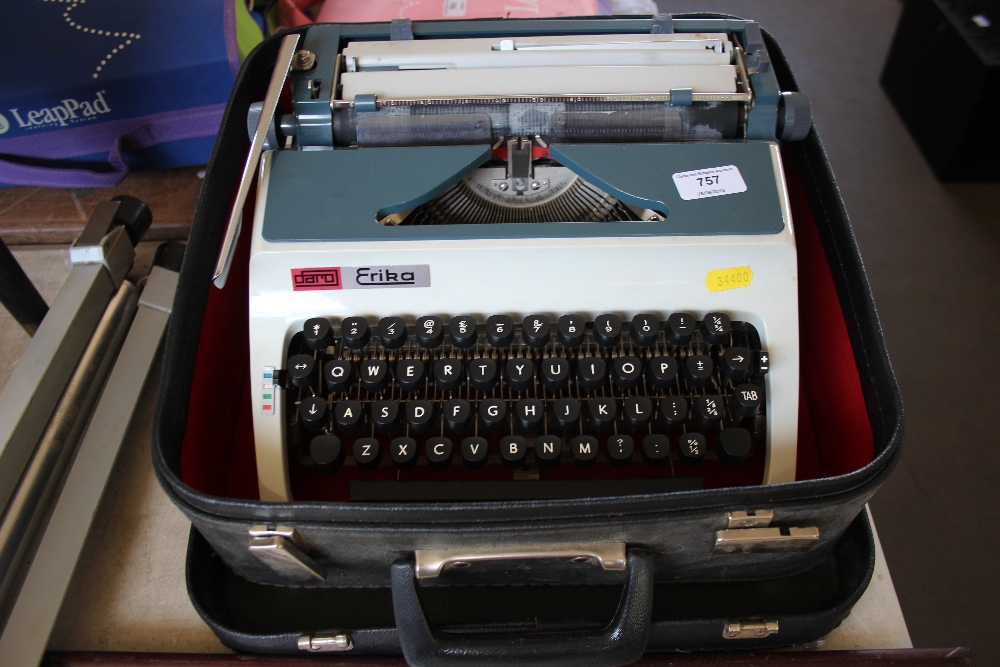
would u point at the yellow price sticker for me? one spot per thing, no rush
(723, 279)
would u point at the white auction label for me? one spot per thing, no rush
(711, 182)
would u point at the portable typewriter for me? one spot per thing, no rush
(523, 264)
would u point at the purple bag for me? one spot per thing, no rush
(108, 86)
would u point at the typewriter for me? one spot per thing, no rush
(504, 260)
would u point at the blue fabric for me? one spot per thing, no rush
(83, 65)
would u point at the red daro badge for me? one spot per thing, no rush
(361, 277)
(321, 278)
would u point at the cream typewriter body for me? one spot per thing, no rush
(524, 264)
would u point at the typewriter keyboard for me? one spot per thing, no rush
(460, 408)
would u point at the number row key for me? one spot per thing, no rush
(536, 330)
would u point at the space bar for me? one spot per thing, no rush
(429, 491)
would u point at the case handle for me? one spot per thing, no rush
(621, 642)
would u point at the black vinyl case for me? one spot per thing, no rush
(346, 571)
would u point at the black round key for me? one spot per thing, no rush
(655, 449)
(385, 415)
(691, 447)
(555, 373)
(680, 327)
(410, 374)
(301, 370)
(626, 372)
(638, 411)
(448, 374)
(548, 449)
(566, 412)
(312, 413)
(317, 333)
(530, 413)
(698, 369)
(392, 332)
(583, 448)
(367, 453)
(327, 453)
(602, 411)
(420, 415)
(462, 331)
(520, 374)
(535, 330)
(500, 330)
(513, 450)
(349, 416)
(338, 375)
(735, 364)
(619, 449)
(734, 446)
(645, 327)
(662, 372)
(708, 411)
(571, 330)
(591, 372)
(715, 328)
(483, 374)
(457, 414)
(430, 331)
(403, 452)
(475, 451)
(673, 411)
(607, 330)
(355, 332)
(438, 451)
(493, 413)
(746, 400)
(374, 374)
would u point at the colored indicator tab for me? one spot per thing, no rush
(268, 396)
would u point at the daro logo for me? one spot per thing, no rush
(67, 111)
(4, 124)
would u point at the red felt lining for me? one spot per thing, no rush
(835, 435)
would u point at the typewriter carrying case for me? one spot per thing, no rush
(685, 616)
(305, 554)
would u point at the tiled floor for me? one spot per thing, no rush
(932, 252)
(55, 215)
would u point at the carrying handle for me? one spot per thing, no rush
(621, 642)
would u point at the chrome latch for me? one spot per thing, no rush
(752, 628)
(280, 548)
(752, 519)
(325, 643)
(764, 539)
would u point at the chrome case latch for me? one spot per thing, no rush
(280, 548)
(326, 643)
(752, 531)
(751, 628)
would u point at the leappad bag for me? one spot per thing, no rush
(93, 89)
